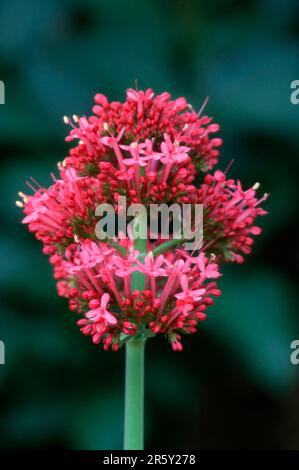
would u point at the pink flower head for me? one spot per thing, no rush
(139, 97)
(150, 152)
(208, 270)
(135, 151)
(36, 206)
(110, 140)
(153, 267)
(101, 314)
(151, 149)
(172, 152)
(188, 294)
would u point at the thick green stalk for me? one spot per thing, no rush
(137, 278)
(134, 394)
(134, 382)
(167, 246)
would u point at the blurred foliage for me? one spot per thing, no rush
(233, 386)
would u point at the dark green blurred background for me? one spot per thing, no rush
(233, 386)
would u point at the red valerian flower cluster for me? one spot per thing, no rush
(148, 149)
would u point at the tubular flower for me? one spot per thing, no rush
(149, 149)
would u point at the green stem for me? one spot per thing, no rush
(134, 394)
(167, 245)
(119, 248)
(134, 382)
(140, 244)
